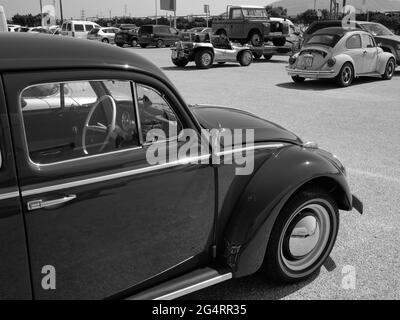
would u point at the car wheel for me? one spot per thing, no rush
(144, 46)
(204, 59)
(245, 58)
(302, 237)
(134, 43)
(120, 45)
(268, 56)
(279, 42)
(105, 40)
(298, 79)
(255, 39)
(389, 70)
(160, 43)
(180, 62)
(346, 75)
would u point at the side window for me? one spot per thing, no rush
(72, 120)
(79, 28)
(69, 27)
(237, 14)
(64, 27)
(368, 42)
(88, 27)
(354, 42)
(156, 114)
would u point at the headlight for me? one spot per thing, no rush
(331, 62)
(292, 60)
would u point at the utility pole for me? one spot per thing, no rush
(315, 5)
(156, 12)
(41, 11)
(61, 11)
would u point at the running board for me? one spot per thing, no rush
(184, 285)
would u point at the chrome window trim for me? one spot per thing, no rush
(187, 161)
(39, 166)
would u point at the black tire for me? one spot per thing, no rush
(256, 39)
(180, 62)
(160, 43)
(120, 45)
(314, 215)
(204, 59)
(279, 42)
(298, 79)
(389, 70)
(346, 75)
(268, 56)
(221, 32)
(105, 40)
(245, 58)
(144, 46)
(134, 43)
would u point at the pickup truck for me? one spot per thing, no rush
(251, 24)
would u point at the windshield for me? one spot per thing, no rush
(377, 29)
(324, 39)
(255, 13)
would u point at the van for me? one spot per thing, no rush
(77, 29)
(157, 35)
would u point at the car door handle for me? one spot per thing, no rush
(364, 53)
(41, 204)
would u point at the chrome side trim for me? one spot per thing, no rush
(195, 287)
(9, 195)
(186, 161)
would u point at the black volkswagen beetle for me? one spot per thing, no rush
(83, 215)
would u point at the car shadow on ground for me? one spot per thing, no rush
(254, 287)
(272, 61)
(323, 84)
(397, 73)
(193, 67)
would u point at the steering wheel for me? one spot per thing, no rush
(100, 127)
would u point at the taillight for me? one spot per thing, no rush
(331, 62)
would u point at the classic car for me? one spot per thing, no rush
(190, 34)
(341, 54)
(205, 54)
(85, 215)
(385, 38)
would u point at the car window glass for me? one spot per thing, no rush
(69, 27)
(354, 42)
(367, 41)
(79, 28)
(89, 27)
(64, 27)
(237, 14)
(73, 120)
(155, 113)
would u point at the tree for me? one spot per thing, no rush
(276, 12)
(27, 20)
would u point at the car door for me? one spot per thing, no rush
(237, 24)
(356, 52)
(100, 218)
(370, 52)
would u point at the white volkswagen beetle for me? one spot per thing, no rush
(341, 54)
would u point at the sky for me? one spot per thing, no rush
(138, 8)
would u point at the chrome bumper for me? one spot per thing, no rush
(310, 73)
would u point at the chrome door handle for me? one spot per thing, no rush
(40, 204)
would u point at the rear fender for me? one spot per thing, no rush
(248, 230)
(384, 58)
(341, 59)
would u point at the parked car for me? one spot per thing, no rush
(158, 35)
(385, 38)
(77, 29)
(85, 215)
(201, 33)
(105, 35)
(42, 30)
(13, 27)
(128, 35)
(341, 54)
(250, 24)
(205, 54)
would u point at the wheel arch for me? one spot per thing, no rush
(341, 59)
(248, 232)
(254, 30)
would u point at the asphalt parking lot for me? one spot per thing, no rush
(359, 124)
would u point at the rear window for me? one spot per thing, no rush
(94, 31)
(321, 25)
(79, 28)
(324, 39)
(146, 29)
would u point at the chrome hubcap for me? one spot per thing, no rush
(305, 237)
(347, 74)
(206, 59)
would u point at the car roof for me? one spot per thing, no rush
(335, 30)
(47, 52)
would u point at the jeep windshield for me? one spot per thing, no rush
(377, 29)
(255, 13)
(329, 40)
